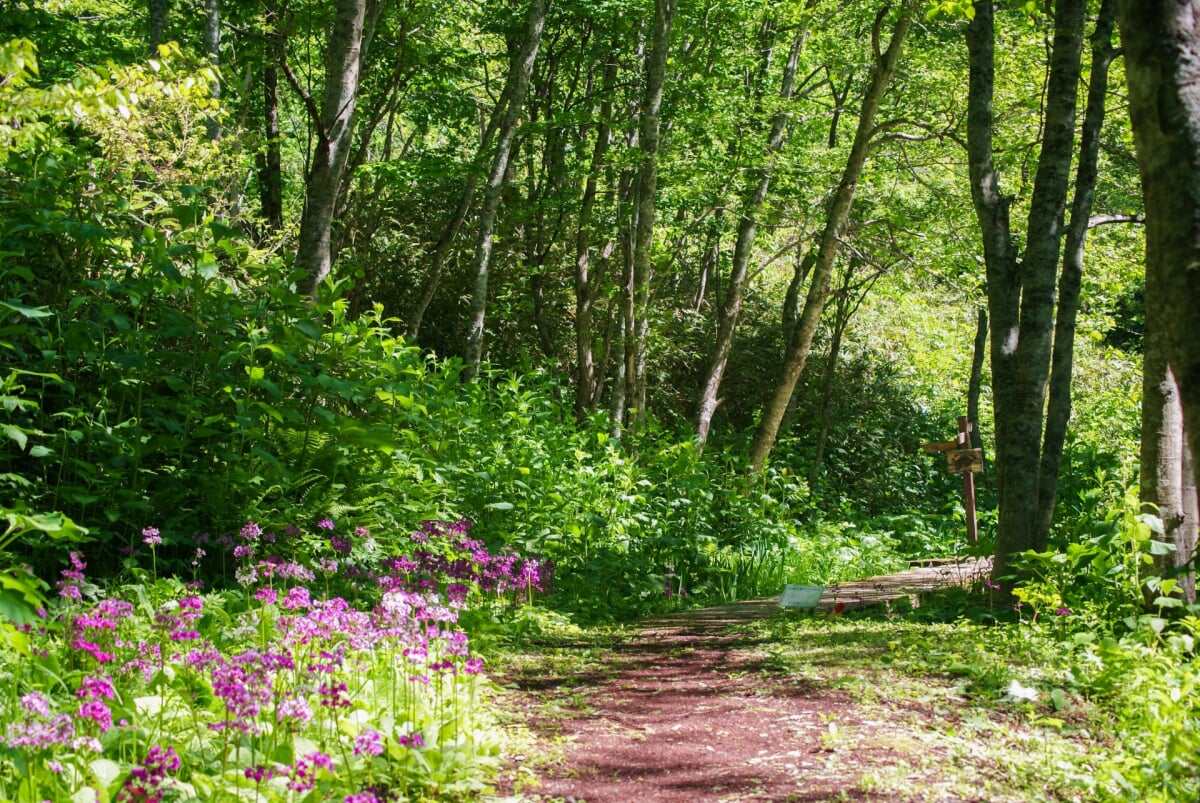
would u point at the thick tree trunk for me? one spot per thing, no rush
(752, 205)
(335, 127)
(212, 51)
(522, 69)
(837, 219)
(158, 25)
(1161, 39)
(1167, 485)
(647, 184)
(587, 285)
(975, 383)
(270, 175)
(1058, 408)
(992, 210)
(1021, 295)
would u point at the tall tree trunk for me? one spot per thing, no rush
(1161, 40)
(158, 25)
(212, 51)
(587, 285)
(975, 383)
(1021, 293)
(270, 175)
(520, 72)
(355, 199)
(1167, 486)
(1058, 408)
(334, 127)
(445, 243)
(836, 221)
(992, 209)
(647, 184)
(752, 205)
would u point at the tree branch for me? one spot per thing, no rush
(310, 105)
(1102, 220)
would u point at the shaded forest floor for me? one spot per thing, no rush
(745, 703)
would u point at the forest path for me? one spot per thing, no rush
(697, 706)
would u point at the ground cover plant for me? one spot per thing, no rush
(267, 691)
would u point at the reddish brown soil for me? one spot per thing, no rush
(687, 712)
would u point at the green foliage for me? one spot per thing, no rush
(1101, 573)
(168, 365)
(1128, 642)
(177, 369)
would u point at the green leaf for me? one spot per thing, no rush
(1161, 548)
(16, 434)
(308, 328)
(15, 609)
(27, 312)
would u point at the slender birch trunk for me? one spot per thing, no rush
(752, 205)
(836, 222)
(334, 127)
(522, 69)
(638, 287)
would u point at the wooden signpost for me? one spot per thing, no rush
(962, 459)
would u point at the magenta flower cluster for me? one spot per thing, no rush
(308, 666)
(301, 775)
(447, 559)
(148, 782)
(39, 728)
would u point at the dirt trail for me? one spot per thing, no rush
(686, 712)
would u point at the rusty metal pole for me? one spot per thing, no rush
(968, 480)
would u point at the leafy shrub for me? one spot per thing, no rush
(1105, 570)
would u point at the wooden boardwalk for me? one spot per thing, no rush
(910, 584)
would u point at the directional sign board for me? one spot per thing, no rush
(966, 462)
(963, 461)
